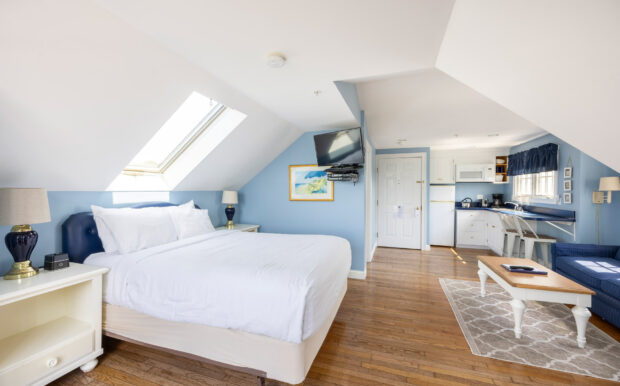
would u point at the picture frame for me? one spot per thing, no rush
(568, 172)
(309, 183)
(568, 185)
(568, 198)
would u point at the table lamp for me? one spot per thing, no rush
(230, 198)
(20, 208)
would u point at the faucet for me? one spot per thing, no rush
(516, 205)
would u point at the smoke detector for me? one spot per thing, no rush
(276, 60)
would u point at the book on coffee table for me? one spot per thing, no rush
(524, 269)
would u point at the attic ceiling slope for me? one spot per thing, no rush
(81, 92)
(430, 108)
(556, 63)
(323, 41)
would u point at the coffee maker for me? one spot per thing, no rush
(498, 200)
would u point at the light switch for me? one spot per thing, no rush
(480, 197)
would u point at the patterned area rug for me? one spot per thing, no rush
(549, 332)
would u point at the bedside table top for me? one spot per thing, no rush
(239, 227)
(48, 280)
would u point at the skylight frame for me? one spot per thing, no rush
(178, 150)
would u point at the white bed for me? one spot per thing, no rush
(259, 302)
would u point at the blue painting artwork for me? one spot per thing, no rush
(309, 183)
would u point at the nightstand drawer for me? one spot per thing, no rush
(47, 361)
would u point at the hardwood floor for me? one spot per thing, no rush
(396, 327)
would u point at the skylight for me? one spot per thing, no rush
(187, 137)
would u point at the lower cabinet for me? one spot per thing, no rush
(479, 229)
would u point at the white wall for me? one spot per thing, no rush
(556, 63)
(81, 92)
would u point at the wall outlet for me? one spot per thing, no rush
(598, 197)
(480, 196)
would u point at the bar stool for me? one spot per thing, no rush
(511, 234)
(530, 238)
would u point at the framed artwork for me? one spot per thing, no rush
(568, 198)
(568, 185)
(309, 183)
(568, 172)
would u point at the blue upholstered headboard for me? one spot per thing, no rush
(79, 233)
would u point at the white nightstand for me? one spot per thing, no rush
(240, 227)
(51, 324)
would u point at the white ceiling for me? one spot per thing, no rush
(429, 108)
(324, 41)
(84, 84)
(554, 62)
(81, 92)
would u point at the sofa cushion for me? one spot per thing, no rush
(590, 270)
(611, 287)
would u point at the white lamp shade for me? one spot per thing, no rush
(229, 197)
(609, 183)
(19, 206)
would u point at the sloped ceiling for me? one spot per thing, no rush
(429, 108)
(81, 92)
(324, 41)
(556, 63)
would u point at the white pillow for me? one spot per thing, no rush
(105, 235)
(128, 229)
(192, 222)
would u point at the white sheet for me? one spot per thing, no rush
(282, 286)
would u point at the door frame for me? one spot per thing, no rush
(424, 246)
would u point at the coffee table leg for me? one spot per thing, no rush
(582, 315)
(518, 307)
(483, 280)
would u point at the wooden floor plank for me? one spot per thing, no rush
(394, 328)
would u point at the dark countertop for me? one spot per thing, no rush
(534, 213)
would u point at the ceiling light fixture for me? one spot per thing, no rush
(276, 60)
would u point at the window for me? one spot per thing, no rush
(185, 139)
(535, 187)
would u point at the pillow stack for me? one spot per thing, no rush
(126, 230)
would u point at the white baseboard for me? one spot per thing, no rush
(372, 252)
(355, 274)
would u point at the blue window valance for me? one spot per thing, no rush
(537, 160)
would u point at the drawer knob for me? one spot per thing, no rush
(52, 362)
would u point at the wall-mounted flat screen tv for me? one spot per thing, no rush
(343, 147)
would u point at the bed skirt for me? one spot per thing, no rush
(252, 353)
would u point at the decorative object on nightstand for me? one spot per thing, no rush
(240, 227)
(230, 198)
(20, 208)
(50, 326)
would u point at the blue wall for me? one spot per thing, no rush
(426, 150)
(586, 174)
(264, 200)
(473, 189)
(64, 204)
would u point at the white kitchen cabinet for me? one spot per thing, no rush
(442, 170)
(495, 233)
(471, 228)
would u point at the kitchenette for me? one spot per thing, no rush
(470, 205)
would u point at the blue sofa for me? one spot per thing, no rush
(596, 267)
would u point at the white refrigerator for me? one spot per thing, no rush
(441, 215)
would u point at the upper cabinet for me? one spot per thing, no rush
(442, 170)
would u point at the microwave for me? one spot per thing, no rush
(475, 173)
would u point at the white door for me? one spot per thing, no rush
(400, 202)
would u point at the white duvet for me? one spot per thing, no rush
(282, 286)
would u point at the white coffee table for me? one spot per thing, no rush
(553, 288)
